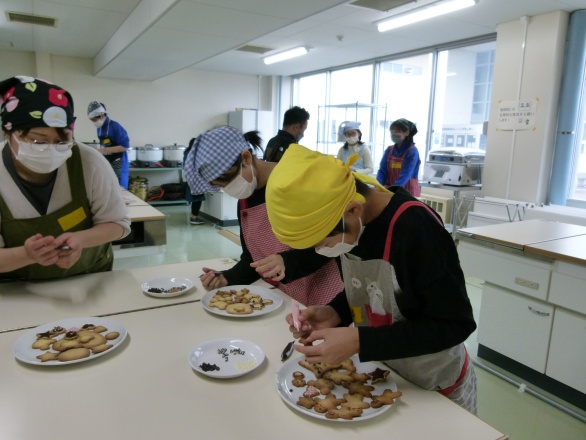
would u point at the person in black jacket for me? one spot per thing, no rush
(294, 126)
(405, 291)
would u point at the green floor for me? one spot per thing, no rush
(517, 414)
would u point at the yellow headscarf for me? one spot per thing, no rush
(307, 194)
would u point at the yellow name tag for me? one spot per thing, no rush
(396, 165)
(73, 219)
(356, 314)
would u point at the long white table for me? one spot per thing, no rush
(146, 389)
(29, 304)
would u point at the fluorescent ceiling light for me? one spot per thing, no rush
(291, 53)
(423, 13)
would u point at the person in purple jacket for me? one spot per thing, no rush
(400, 163)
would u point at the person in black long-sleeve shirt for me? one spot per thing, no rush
(222, 158)
(405, 291)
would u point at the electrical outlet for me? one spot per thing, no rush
(526, 283)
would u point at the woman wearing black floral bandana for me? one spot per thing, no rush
(60, 206)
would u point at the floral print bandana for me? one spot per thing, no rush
(27, 102)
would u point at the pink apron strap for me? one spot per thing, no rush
(402, 208)
(449, 390)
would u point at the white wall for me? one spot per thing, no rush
(162, 112)
(540, 71)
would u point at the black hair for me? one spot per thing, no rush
(405, 125)
(255, 141)
(361, 188)
(295, 115)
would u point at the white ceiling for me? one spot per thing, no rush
(149, 39)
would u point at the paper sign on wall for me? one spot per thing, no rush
(517, 115)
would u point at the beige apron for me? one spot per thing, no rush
(371, 287)
(74, 216)
(318, 288)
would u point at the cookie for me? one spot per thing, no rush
(298, 383)
(359, 388)
(91, 339)
(338, 377)
(239, 309)
(101, 348)
(378, 375)
(43, 343)
(354, 401)
(47, 356)
(324, 386)
(343, 413)
(311, 391)
(73, 354)
(306, 402)
(328, 402)
(318, 368)
(112, 335)
(386, 398)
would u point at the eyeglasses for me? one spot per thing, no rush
(41, 146)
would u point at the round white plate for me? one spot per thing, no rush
(291, 394)
(165, 284)
(262, 291)
(23, 351)
(233, 357)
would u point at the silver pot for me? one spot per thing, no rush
(131, 153)
(149, 156)
(173, 156)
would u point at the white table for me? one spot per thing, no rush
(147, 390)
(28, 304)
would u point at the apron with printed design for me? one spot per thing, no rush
(317, 288)
(371, 287)
(394, 166)
(74, 216)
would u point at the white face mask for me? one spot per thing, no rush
(42, 162)
(340, 248)
(98, 123)
(352, 140)
(240, 188)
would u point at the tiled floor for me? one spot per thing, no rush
(520, 415)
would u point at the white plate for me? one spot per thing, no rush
(166, 283)
(233, 357)
(262, 291)
(23, 351)
(291, 394)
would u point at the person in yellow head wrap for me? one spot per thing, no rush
(404, 287)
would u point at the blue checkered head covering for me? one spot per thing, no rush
(212, 154)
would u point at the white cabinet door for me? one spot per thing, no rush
(515, 326)
(567, 352)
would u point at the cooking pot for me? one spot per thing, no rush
(150, 156)
(173, 156)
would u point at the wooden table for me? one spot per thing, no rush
(146, 389)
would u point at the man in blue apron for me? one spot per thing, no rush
(114, 141)
(405, 292)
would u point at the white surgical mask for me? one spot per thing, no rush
(340, 248)
(42, 162)
(98, 123)
(352, 140)
(240, 188)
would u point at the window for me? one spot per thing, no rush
(462, 96)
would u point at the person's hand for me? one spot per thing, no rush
(272, 267)
(337, 345)
(69, 249)
(313, 318)
(41, 250)
(212, 279)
